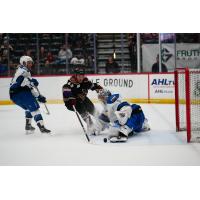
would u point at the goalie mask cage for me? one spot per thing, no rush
(187, 102)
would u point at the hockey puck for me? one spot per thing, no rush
(105, 140)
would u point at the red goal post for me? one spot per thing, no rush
(187, 102)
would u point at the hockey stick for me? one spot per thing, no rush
(86, 135)
(47, 110)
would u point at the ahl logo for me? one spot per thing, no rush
(162, 82)
(166, 55)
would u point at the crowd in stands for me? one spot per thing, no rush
(180, 37)
(53, 50)
(53, 54)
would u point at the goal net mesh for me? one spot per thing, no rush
(187, 84)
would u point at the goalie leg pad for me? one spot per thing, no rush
(145, 126)
(94, 127)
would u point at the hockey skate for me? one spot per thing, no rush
(145, 126)
(43, 129)
(29, 129)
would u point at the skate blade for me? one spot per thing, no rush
(29, 132)
(50, 133)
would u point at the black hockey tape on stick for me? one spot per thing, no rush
(86, 135)
(47, 110)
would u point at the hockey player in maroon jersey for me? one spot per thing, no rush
(75, 94)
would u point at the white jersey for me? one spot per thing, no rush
(24, 73)
(111, 106)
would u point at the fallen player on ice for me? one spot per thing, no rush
(124, 120)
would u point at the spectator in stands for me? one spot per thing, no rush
(78, 60)
(43, 56)
(49, 59)
(5, 51)
(28, 52)
(64, 53)
(155, 66)
(112, 66)
(90, 61)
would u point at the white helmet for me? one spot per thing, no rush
(123, 114)
(25, 59)
(103, 95)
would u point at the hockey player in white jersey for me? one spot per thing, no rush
(23, 94)
(124, 119)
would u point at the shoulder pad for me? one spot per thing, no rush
(23, 71)
(24, 68)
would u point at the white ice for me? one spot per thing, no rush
(68, 146)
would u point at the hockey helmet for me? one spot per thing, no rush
(25, 59)
(103, 95)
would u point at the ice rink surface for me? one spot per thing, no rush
(68, 146)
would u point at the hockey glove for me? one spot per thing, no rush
(41, 99)
(34, 82)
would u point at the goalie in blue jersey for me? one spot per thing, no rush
(123, 118)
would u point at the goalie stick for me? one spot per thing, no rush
(86, 135)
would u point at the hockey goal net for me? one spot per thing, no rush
(187, 102)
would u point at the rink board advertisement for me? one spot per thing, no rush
(129, 86)
(187, 54)
(143, 88)
(161, 87)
